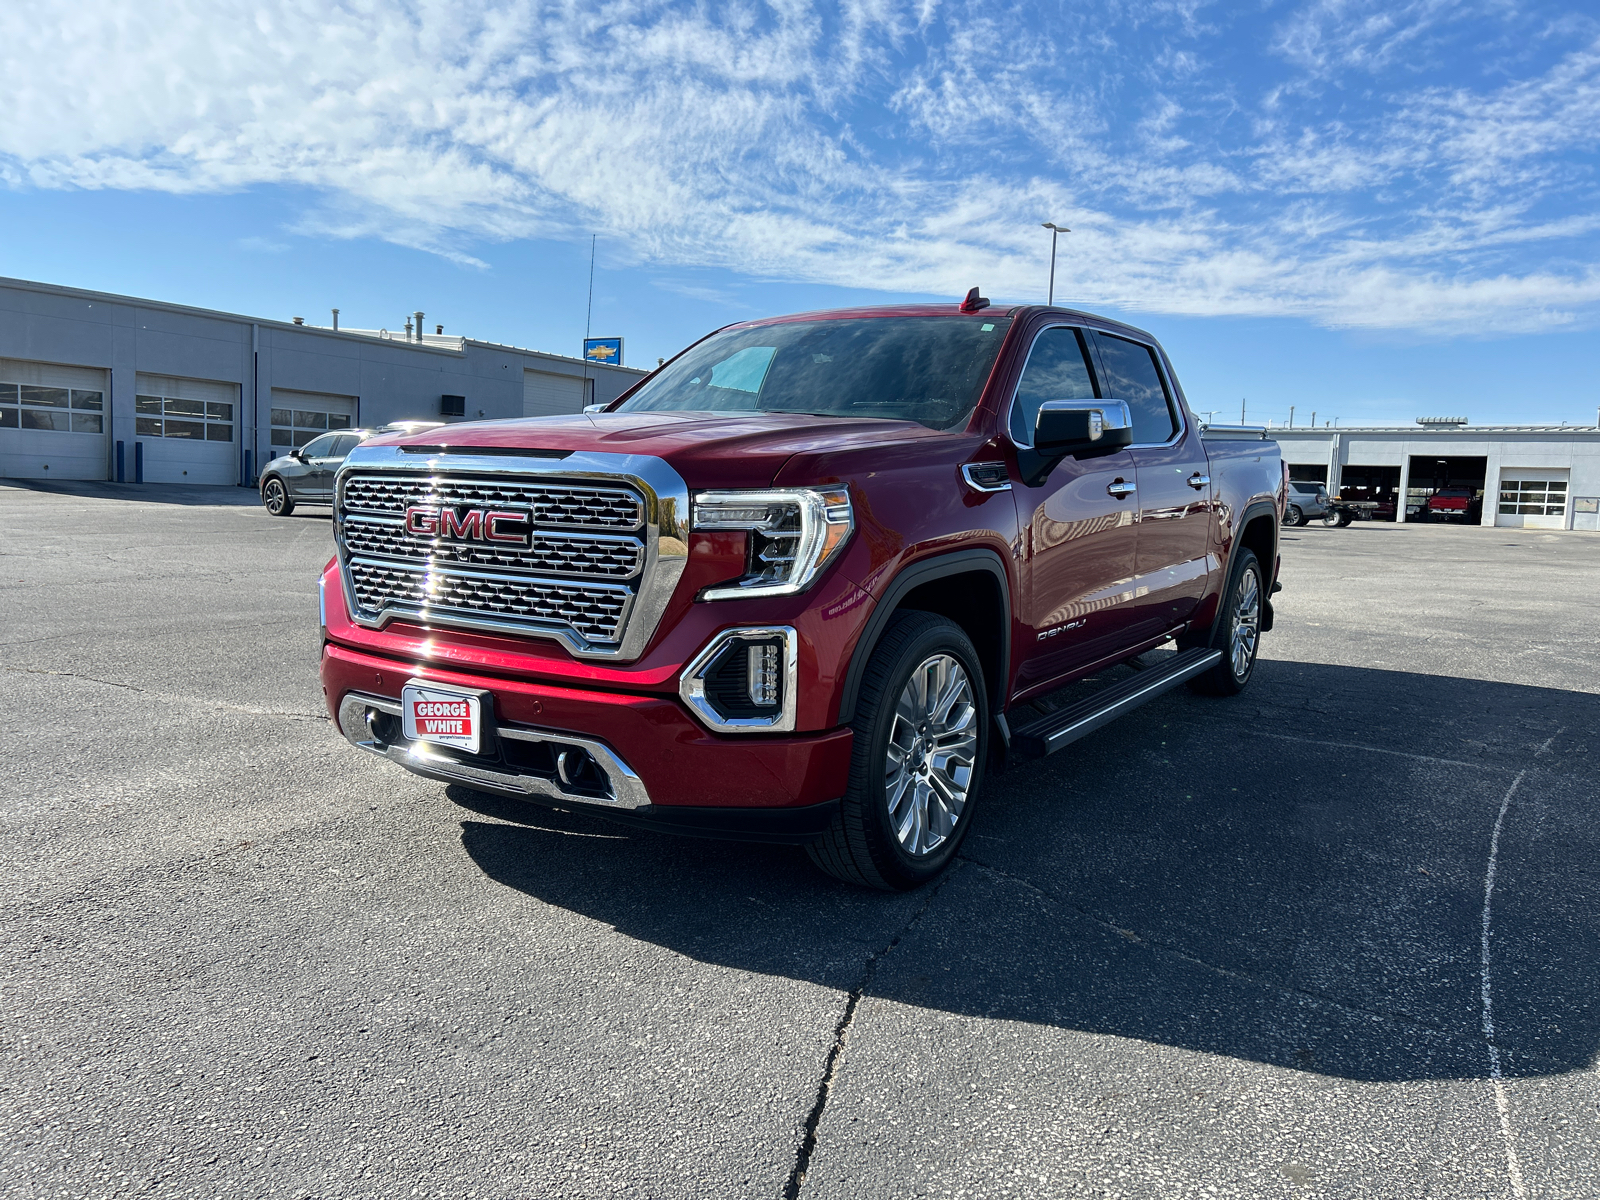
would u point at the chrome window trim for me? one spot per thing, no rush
(691, 686)
(1161, 371)
(666, 537)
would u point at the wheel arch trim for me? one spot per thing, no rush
(912, 576)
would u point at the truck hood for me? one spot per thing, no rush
(706, 449)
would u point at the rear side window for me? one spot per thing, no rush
(1058, 369)
(1132, 375)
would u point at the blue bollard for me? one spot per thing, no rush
(138, 462)
(119, 462)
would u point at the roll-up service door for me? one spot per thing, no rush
(297, 417)
(546, 394)
(189, 428)
(54, 421)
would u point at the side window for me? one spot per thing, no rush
(1132, 375)
(1058, 369)
(345, 443)
(320, 447)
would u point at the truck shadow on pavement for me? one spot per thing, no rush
(1294, 877)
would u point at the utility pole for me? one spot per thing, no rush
(1313, 418)
(1241, 410)
(1291, 416)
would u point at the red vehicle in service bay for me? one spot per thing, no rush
(801, 583)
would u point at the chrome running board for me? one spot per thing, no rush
(1051, 732)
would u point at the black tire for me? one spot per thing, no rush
(1226, 679)
(1331, 517)
(1344, 519)
(1293, 516)
(862, 846)
(275, 496)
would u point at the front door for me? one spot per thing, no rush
(1078, 527)
(322, 459)
(1174, 559)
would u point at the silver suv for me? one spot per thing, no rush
(1306, 500)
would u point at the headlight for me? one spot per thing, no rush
(794, 533)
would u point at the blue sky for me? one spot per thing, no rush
(1371, 210)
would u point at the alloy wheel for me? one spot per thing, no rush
(933, 746)
(1246, 623)
(275, 496)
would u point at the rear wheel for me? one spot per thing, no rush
(1331, 518)
(275, 496)
(921, 734)
(1237, 632)
(1293, 516)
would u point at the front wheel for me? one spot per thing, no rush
(1332, 518)
(1237, 632)
(275, 496)
(921, 734)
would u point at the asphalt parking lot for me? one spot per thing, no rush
(1222, 948)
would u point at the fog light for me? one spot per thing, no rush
(762, 671)
(744, 680)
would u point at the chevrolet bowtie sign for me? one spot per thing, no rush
(606, 350)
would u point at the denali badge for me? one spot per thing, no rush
(468, 524)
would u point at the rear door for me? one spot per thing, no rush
(1173, 560)
(1078, 526)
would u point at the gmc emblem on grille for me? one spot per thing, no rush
(468, 524)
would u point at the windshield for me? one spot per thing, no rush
(924, 369)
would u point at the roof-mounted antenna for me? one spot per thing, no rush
(974, 302)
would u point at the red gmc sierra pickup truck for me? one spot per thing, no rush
(802, 582)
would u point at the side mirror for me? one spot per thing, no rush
(298, 454)
(589, 408)
(1082, 428)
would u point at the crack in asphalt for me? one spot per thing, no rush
(841, 1037)
(246, 709)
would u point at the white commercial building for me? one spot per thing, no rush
(1531, 476)
(94, 386)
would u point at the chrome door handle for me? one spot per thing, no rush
(1198, 481)
(1120, 488)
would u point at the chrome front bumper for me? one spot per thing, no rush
(580, 771)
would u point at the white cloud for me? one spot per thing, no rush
(874, 144)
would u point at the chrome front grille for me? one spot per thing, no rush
(590, 555)
(499, 548)
(596, 613)
(555, 505)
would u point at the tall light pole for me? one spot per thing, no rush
(1055, 232)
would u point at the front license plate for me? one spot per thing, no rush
(441, 718)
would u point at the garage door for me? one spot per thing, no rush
(1532, 498)
(546, 394)
(297, 417)
(188, 427)
(54, 421)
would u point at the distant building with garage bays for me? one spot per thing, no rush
(1529, 476)
(95, 386)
